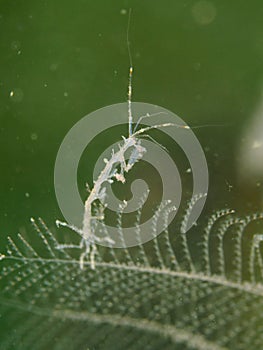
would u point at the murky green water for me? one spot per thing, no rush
(62, 60)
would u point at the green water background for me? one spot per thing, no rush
(61, 60)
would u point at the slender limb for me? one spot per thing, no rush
(68, 246)
(90, 251)
(146, 116)
(71, 246)
(129, 101)
(72, 227)
(141, 131)
(82, 258)
(130, 77)
(92, 256)
(154, 141)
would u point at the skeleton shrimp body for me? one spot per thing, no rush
(98, 192)
(109, 174)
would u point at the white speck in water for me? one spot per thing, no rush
(15, 45)
(189, 170)
(34, 136)
(53, 67)
(27, 195)
(123, 12)
(197, 66)
(16, 95)
(198, 97)
(45, 85)
(65, 94)
(204, 12)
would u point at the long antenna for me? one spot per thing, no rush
(130, 77)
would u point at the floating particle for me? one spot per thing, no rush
(204, 12)
(198, 97)
(197, 66)
(53, 67)
(34, 136)
(65, 94)
(16, 95)
(15, 45)
(123, 12)
(27, 195)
